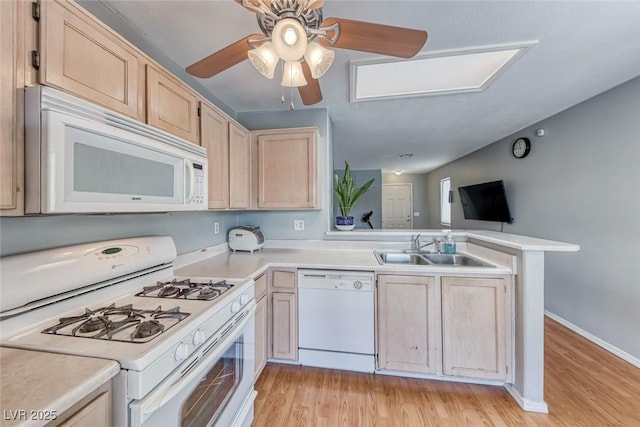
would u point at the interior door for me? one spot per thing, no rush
(397, 206)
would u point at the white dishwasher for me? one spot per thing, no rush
(336, 319)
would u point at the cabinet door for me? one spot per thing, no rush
(408, 329)
(261, 337)
(82, 56)
(96, 413)
(287, 171)
(239, 167)
(474, 327)
(284, 334)
(214, 136)
(11, 111)
(171, 106)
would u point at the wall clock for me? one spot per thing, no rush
(520, 148)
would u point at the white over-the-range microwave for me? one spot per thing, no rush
(82, 158)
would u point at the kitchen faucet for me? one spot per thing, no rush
(417, 246)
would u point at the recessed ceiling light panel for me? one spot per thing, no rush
(434, 74)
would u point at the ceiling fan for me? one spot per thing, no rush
(294, 31)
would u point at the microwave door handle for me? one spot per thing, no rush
(191, 178)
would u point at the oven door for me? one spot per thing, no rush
(215, 390)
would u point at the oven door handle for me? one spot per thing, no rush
(142, 409)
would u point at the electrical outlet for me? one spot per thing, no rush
(298, 224)
(216, 227)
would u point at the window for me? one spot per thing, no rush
(445, 202)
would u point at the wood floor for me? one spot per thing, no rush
(584, 386)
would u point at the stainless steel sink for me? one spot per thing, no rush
(422, 258)
(455, 259)
(400, 258)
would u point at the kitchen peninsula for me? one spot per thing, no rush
(519, 257)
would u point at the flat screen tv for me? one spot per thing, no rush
(485, 202)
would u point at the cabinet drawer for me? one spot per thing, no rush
(283, 280)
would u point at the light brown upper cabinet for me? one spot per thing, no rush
(82, 56)
(228, 152)
(476, 327)
(239, 167)
(214, 136)
(11, 108)
(286, 165)
(171, 105)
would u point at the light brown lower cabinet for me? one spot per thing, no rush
(476, 327)
(284, 336)
(283, 314)
(408, 323)
(92, 411)
(261, 325)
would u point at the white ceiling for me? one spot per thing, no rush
(583, 48)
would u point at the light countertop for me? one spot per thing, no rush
(245, 265)
(34, 384)
(514, 241)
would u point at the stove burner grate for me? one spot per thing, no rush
(186, 289)
(109, 323)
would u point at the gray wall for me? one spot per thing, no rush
(418, 183)
(190, 230)
(279, 224)
(370, 201)
(579, 184)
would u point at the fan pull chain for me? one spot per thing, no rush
(282, 87)
(291, 88)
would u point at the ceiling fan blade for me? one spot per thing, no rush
(315, 4)
(223, 59)
(254, 2)
(376, 38)
(311, 93)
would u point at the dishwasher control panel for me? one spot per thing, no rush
(336, 279)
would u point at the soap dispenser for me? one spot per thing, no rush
(449, 244)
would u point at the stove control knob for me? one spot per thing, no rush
(357, 284)
(244, 299)
(199, 337)
(235, 307)
(182, 352)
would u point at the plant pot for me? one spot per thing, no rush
(344, 223)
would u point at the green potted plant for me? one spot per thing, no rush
(347, 194)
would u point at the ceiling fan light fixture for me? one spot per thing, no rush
(292, 75)
(319, 59)
(264, 58)
(289, 39)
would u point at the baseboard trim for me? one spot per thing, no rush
(597, 341)
(437, 377)
(526, 404)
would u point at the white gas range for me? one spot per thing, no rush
(185, 345)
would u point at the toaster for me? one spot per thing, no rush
(246, 238)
